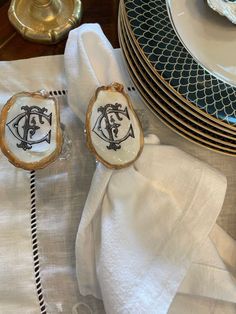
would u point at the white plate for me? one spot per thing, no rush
(209, 37)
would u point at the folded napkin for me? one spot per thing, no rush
(142, 227)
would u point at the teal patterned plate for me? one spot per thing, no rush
(155, 86)
(161, 106)
(172, 108)
(170, 120)
(172, 63)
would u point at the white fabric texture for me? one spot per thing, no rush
(79, 62)
(18, 292)
(143, 227)
(17, 282)
(61, 191)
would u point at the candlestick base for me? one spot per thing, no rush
(45, 21)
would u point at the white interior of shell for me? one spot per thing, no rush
(128, 129)
(225, 8)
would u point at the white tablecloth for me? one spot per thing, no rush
(61, 193)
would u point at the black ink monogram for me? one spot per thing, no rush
(24, 126)
(108, 125)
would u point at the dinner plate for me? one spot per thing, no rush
(167, 116)
(209, 37)
(158, 88)
(170, 61)
(157, 102)
(155, 93)
(170, 122)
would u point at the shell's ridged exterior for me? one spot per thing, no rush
(224, 7)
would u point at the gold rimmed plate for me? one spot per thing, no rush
(174, 101)
(191, 124)
(177, 106)
(170, 119)
(164, 54)
(175, 126)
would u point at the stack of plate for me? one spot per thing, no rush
(180, 55)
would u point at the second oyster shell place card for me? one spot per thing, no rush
(114, 133)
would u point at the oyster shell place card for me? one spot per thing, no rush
(31, 136)
(226, 8)
(114, 133)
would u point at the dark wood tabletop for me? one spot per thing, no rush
(13, 46)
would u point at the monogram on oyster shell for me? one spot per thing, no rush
(27, 126)
(112, 119)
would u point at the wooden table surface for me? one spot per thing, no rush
(13, 46)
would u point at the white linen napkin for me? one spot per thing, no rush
(142, 227)
(79, 62)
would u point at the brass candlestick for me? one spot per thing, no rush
(45, 21)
